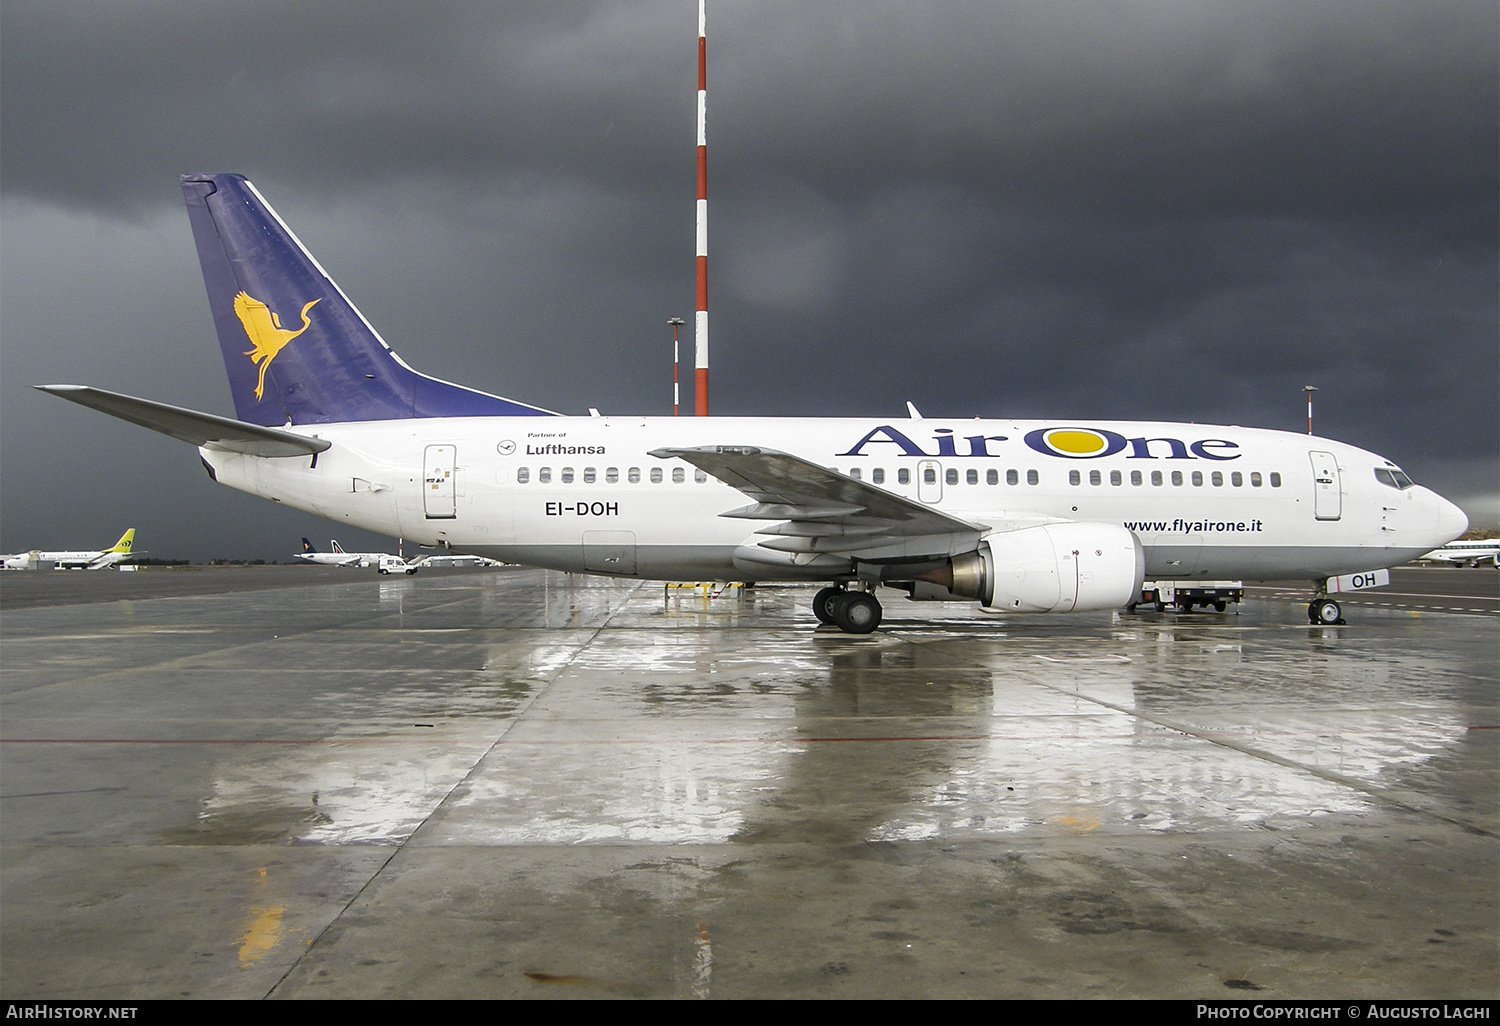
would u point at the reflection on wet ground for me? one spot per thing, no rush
(484, 784)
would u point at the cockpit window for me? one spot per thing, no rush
(1392, 478)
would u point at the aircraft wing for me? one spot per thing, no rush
(821, 511)
(201, 429)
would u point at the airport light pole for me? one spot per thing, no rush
(675, 322)
(1309, 389)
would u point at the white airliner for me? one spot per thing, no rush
(1471, 551)
(338, 557)
(1020, 516)
(95, 559)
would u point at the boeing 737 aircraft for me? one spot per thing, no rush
(96, 559)
(1020, 516)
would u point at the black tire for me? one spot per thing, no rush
(1324, 612)
(856, 612)
(823, 604)
(1219, 607)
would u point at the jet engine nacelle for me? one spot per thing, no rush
(1057, 568)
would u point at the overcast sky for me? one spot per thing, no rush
(1151, 209)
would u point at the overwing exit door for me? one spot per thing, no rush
(930, 481)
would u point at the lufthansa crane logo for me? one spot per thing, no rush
(266, 333)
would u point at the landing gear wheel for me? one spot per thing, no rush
(1324, 612)
(823, 604)
(856, 612)
(1219, 607)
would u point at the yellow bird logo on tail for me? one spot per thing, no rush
(265, 332)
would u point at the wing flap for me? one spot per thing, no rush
(200, 429)
(826, 513)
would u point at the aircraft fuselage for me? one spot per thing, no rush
(584, 495)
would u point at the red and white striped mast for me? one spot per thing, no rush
(700, 320)
(675, 322)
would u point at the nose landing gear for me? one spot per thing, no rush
(1324, 612)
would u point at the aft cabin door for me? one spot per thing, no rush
(1328, 498)
(437, 482)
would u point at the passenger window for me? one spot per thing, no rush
(567, 475)
(633, 475)
(1254, 479)
(929, 476)
(1011, 477)
(971, 477)
(1114, 478)
(700, 476)
(1218, 479)
(856, 473)
(1135, 478)
(992, 477)
(1275, 479)
(678, 475)
(877, 476)
(656, 475)
(1095, 478)
(544, 476)
(1237, 479)
(1156, 479)
(903, 476)
(1074, 477)
(588, 475)
(523, 474)
(1032, 477)
(1177, 478)
(1197, 479)
(612, 475)
(951, 476)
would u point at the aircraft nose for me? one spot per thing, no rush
(1451, 521)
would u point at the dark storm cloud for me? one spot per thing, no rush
(1135, 209)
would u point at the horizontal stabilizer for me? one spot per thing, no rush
(201, 429)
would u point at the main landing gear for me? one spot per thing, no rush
(853, 612)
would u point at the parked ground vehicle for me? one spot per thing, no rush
(1184, 596)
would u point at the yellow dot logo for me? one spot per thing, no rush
(1073, 442)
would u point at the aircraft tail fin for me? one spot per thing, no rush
(126, 541)
(307, 546)
(337, 547)
(296, 349)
